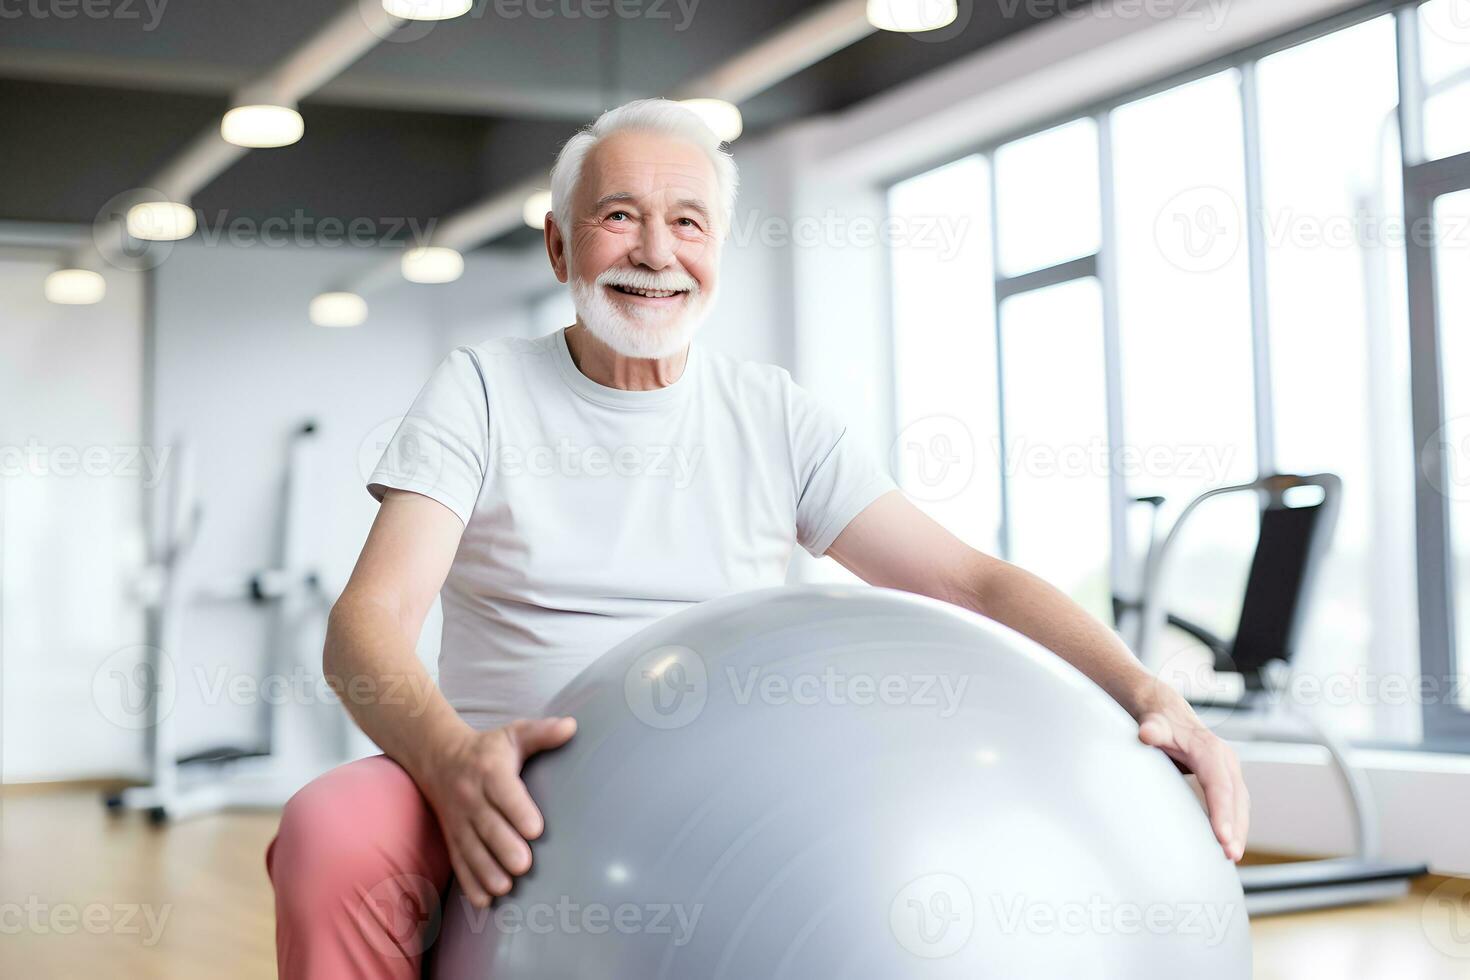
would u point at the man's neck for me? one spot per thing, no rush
(610, 369)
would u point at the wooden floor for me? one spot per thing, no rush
(61, 854)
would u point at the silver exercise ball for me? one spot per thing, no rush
(814, 782)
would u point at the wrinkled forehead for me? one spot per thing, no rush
(647, 167)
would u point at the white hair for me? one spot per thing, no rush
(648, 116)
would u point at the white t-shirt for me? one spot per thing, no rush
(591, 512)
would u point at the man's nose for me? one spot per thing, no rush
(656, 246)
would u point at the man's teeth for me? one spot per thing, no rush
(655, 293)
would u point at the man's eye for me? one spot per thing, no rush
(617, 214)
(688, 223)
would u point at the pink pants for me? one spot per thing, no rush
(359, 866)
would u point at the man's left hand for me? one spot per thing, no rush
(1167, 722)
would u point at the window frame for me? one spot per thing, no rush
(1446, 725)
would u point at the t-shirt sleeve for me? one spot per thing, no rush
(837, 476)
(441, 448)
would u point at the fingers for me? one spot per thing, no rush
(1219, 782)
(1155, 730)
(478, 874)
(510, 796)
(1242, 807)
(508, 848)
(532, 735)
(1197, 750)
(487, 872)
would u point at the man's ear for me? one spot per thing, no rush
(556, 248)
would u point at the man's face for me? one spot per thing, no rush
(642, 254)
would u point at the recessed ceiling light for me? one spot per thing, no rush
(535, 210)
(911, 16)
(427, 9)
(262, 126)
(338, 310)
(432, 264)
(75, 287)
(160, 221)
(721, 116)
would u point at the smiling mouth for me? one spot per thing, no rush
(647, 293)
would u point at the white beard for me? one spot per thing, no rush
(634, 331)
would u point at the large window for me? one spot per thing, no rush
(1452, 218)
(1213, 281)
(1184, 325)
(1338, 343)
(945, 455)
(1444, 59)
(1055, 430)
(1047, 200)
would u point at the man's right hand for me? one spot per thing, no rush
(487, 815)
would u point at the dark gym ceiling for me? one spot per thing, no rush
(422, 125)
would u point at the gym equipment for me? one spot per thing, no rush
(289, 753)
(1298, 515)
(852, 782)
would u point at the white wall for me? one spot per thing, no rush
(71, 531)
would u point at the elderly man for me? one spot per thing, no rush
(561, 493)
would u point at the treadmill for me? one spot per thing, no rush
(1297, 518)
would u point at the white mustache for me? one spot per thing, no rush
(640, 279)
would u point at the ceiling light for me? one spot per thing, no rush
(432, 264)
(261, 126)
(75, 287)
(911, 16)
(536, 207)
(721, 116)
(338, 310)
(427, 9)
(160, 221)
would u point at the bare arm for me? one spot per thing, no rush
(894, 544)
(472, 779)
(373, 631)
